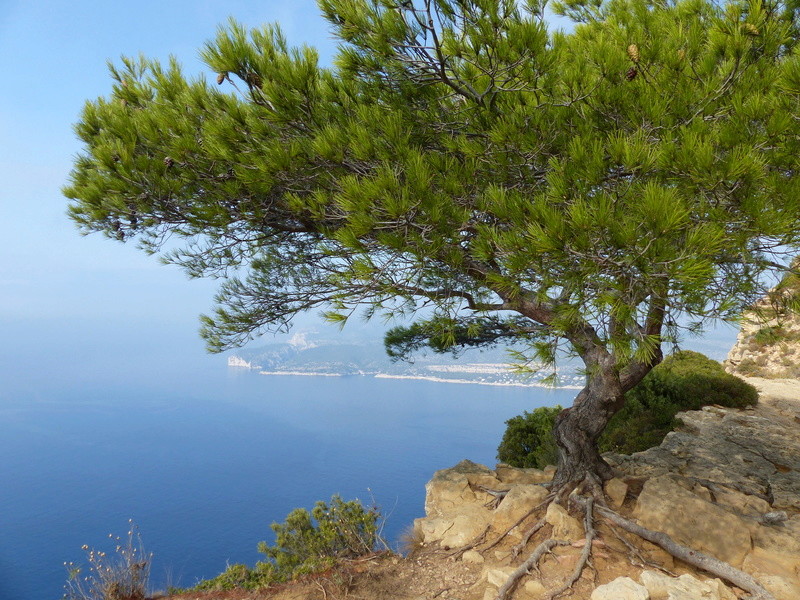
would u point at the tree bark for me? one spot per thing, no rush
(578, 428)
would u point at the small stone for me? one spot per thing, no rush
(776, 517)
(472, 556)
(502, 555)
(535, 588)
(498, 576)
(622, 588)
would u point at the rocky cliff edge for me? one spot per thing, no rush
(727, 483)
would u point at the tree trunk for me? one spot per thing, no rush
(578, 428)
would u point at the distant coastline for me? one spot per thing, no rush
(423, 378)
(500, 383)
(303, 373)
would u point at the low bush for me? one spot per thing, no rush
(528, 440)
(306, 542)
(683, 381)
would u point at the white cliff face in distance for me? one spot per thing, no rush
(239, 362)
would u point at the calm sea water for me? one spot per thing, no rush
(101, 423)
(99, 428)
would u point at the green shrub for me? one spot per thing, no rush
(306, 543)
(684, 381)
(528, 440)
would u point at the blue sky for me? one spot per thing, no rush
(52, 58)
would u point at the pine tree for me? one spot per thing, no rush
(597, 191)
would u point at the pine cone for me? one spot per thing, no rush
(220, 78)
(631, 74)
(633, 52)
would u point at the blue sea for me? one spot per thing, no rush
(99, 425)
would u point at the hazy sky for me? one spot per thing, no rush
(53, 57)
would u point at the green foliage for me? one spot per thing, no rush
(766, 336)
(528, 440)
(307, 542)
(684, 381)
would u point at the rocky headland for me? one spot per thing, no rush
(726, 483)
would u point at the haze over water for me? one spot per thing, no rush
(101, 425)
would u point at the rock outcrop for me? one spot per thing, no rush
(768, 344)
(726, 483)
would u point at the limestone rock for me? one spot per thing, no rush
(499, 575)
(455, 528)
(666, 506)
(450, 488)
(472, 556)
(616, 490)
(754, 452)
(685, 587)
(508, 474)
(534, 589)
(767, 344)
(775, 558)
(519, 500)
(565, 527)
(781, 588)
(622, 588)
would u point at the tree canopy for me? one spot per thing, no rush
(597, 189)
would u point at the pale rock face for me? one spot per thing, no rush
(622, 588)
(616, 490)
(685, 587)
(456, 528)
(535, 589)
(508, 474)
(697, 524)
(750, 451)
(450, 488)
(498, 576)
(775, 558)
(519, 500)
(472, 556)
(565, 527)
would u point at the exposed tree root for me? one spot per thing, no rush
(518, 522)
(585, 554)
(635, 556)
(531, 563)
(526, 538)
(703, 561)
(456, 554)
(497, 496)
